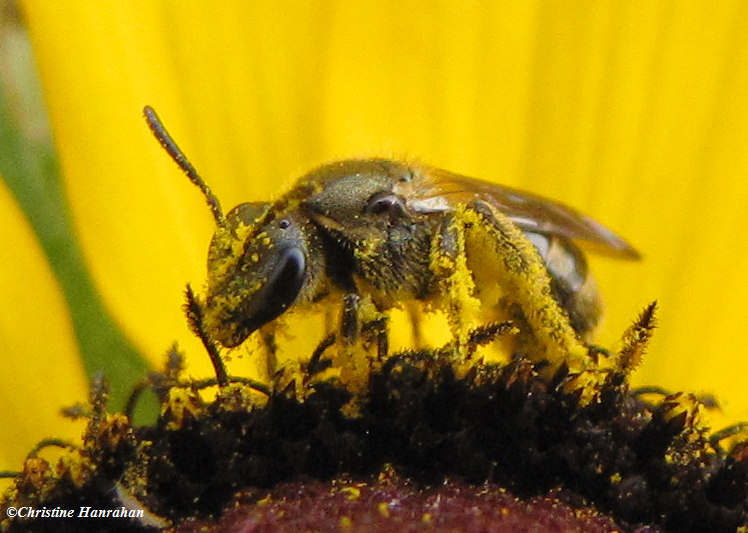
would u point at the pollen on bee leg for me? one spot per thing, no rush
(520, 271)
(456, 294)
(352, 357)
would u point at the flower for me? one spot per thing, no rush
(634, 113)
(41, 364)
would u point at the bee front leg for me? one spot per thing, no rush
(497, 248)
(362, 317)
(350, 323)
(358, 317)
(267, 338)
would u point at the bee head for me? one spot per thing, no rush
(357, 203)
(257, 262)
(257, 268)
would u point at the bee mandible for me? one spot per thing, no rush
(394, 232)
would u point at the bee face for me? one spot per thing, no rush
(257, 268)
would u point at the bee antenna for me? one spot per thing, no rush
(171, 147)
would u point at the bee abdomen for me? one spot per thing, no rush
(573, 287)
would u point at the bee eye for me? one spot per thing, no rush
(284, 223)
(385, 202)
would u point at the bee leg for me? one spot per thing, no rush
(518, 268)
(378, 328)
(351, 357)
(267, 336)
(486, 334)
(414, 314)
(349, 332)
(448, 263)
(383, 340)
(350, 325)
(316, 364)
(353, 324)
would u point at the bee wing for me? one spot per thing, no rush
(435, 190)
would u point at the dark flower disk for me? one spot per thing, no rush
(498, 448)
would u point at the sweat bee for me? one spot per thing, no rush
(387, 232)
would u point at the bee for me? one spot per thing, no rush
(388, 232)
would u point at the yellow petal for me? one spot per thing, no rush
(634, 112)
(143, 227)
(41, 368)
